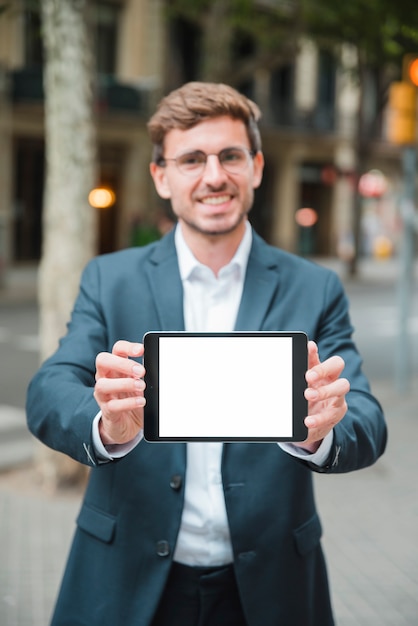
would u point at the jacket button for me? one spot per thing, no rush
(163, 548)
(176, 482)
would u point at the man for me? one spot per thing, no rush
(203, 533)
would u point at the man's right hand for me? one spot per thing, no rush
(119, 392)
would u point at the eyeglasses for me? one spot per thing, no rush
(233, 160)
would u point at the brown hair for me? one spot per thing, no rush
(196, 102)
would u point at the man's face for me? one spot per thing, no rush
(216, 201)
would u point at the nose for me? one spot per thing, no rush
(214, 173)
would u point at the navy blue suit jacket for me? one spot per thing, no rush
(130, 516)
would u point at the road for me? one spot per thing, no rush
(18, 351)
(375, 316)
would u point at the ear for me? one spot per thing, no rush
(159, 177)
(258, 165)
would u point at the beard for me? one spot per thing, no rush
(216, 231)
(221, 224)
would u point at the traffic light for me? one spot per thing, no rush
(402, 118)
(402, 123)
(410, 69)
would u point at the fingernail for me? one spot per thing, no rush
(311, 394)
(312, 376)
(137, 370)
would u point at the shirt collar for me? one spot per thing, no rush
(188, 262)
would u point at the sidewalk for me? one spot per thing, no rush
(35, 531)
(19, 284)
(370, 521)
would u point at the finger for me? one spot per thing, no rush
(327, 370)
(335, 389)
(322, 423)
(109, 365)
(128, 349)
(115, 396)
(111, 387)
(117, 406)
(313, 356)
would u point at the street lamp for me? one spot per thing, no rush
(102, 198)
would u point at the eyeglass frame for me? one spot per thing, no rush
(162, 162)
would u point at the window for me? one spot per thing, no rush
(281, 94)
(28, 198)
(325, 113)
(33, 54)
(105, 16)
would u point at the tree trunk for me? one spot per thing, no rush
(69, 223)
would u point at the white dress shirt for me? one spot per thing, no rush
(210, 304)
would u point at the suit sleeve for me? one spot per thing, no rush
(360, 438)
(60, 406)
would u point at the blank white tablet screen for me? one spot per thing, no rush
(232, 387)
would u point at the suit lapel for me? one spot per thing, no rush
(165, 284)
(260, 286)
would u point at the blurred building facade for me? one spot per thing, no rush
(310, 131)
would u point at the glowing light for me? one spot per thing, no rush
(328, 175)
(382, 247)
(373, 184)
(102, 198)
(413, 71)
(306, 217)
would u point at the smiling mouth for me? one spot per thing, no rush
(216, 200)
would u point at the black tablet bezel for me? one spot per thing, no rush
(151, 363)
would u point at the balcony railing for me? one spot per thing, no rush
(26, 86)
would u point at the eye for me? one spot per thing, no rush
(191, 159)
(232, 155)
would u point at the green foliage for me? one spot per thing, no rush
(257, 18)
(13, 5)
(263, 32)
(382, 30)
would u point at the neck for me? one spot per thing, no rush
(213, 250)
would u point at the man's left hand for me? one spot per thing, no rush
(326, 394)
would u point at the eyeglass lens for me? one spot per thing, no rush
(231, 159)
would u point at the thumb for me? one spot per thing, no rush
(313, 356)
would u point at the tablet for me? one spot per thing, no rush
(238, 386)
